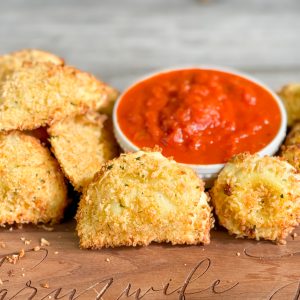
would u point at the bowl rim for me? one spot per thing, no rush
(206, 168)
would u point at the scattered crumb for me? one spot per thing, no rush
(56, 252)
(45, 285)
(26, 242)
(23, 274)
(20, 226)
(10, 229)
(46, 228)
(107, 259)
(1, 282)
(185, 265)
(44, 242)
(203, 249)
(294, 235)
(238, 254)
(12, 259)
(2, 244)
(37, 248)
(21, 253)
(281, 242)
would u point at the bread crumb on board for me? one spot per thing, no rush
(37, 248)
(45, 285)
(44, 242)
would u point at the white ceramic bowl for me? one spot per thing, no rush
(207, 172)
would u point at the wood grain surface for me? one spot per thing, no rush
(120, 41)
(226, 269)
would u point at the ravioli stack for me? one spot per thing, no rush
(43, 100)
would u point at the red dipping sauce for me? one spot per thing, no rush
(199, 116)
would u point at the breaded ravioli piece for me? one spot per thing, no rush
(290, 151)
(107, 108)
(257, 197)
(82, 144)
(290, 94)
(38, 93)
(13, 61)
(291, 154)
(32, 187)
(143, 197)
(293, 138)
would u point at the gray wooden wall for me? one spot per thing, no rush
(121, 40)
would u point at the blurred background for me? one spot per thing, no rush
(121, 40)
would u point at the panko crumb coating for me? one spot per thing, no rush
(143, 197)
(107, 107)
(293, 137)
(290, 151)
(291, 154)
(290, 94)
(13, 61)
(82, 144)
(36, 94)
(32, 187)
(257, 197)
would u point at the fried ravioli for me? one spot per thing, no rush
(257, 197)
(82, 144)
(293, 138)
(291, 154)
(13, 61)
(32, 187)
(39, 93)
(107, 108)
(143, 197)
(290, 94)
(290, 151)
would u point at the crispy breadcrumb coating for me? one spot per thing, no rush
(82, 144)
(107, 108)
(257, 197)
(291, 154)
(38, 93)
(293, 138)
(290, 151)
(143, 197)
(290, 94)
(32, 187)
(13, 61)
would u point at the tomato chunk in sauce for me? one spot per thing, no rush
(199, 116)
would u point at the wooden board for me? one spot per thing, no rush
(120, 41)
(226, 269)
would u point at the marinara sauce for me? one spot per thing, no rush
(199, 116)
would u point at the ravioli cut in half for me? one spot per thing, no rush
(143, 197)
(82, 144)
